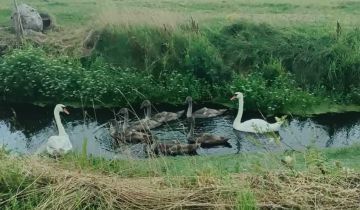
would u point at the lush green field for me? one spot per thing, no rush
(244, 181)
(282, 13)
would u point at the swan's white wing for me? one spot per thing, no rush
(253, 126)
(58, 145)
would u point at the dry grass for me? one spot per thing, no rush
(62, 188)
(67, 189)
(307, 191)
(136, 17)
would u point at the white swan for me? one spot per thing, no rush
(60, 144)
(254, 125)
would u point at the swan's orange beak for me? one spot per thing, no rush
(66, 111)
(233, 98)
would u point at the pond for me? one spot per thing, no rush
(23, 128)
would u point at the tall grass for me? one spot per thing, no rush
(316, 60)
(180, 183)
(319, 62)
(281, 71)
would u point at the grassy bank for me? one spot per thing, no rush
(165, 51)
(279, 71)
(245, 181)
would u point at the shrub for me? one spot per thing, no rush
(157, 50)
(32, 76)
(275, 97)
(205, 62)
(315, 59)
(28, 73)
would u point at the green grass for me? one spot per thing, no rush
(246, 200)
(277, 12)
(349, 156)
(243, 181)
(350, 7)
(218, 165)
(5, 17)
(279, 71)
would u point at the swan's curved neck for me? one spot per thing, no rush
(59, 124)
(148, 112)
(240, 112)
(189, 110)
(191, 131)
(126, 122)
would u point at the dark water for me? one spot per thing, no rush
(23, 128)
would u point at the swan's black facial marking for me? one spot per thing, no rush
(62, 108)
(237, 95)
(188, 99)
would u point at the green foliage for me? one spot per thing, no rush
(334, 63)
(159, 50)
(204, 61)
(177, 86)
(350, 6)
(274, 95)
(109, 85)
(315, 59)
(272, 70)
(4, 16)
(31, 75)
(279, 71)
(246, 46)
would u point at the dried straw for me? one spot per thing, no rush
(71, 189)
(63, 188)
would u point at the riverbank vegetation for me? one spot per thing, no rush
(207, 50)
(279, 71)
(244, 181)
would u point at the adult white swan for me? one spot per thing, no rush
(254, 125)
(60, 144)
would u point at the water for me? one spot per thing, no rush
(23, 128)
